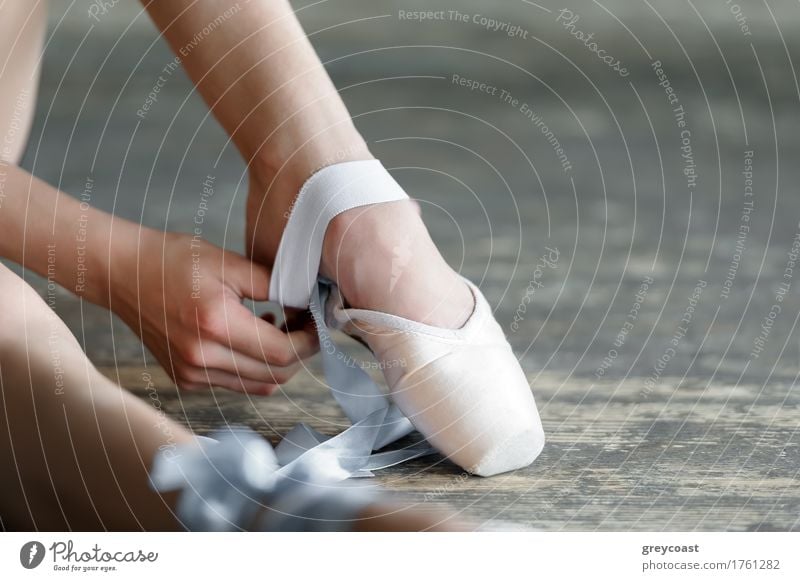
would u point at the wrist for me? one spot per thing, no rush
(131, 248)
(97, 243)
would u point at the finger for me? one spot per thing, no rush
(218, 356)
(189, 386)
(219, 378)
(201, 379)
(250, 279)
(253, 336)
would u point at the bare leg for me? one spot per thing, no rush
(22, 28)
(75, 449)
(259, 74)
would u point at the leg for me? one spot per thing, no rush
(259, 74)
(22, 30)
(75, 449)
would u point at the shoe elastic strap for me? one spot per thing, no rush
(325, 195)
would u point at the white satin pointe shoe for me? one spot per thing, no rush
(463, 389)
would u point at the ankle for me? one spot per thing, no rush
(288, 163)
(275, 180)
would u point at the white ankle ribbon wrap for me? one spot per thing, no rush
(325, 195)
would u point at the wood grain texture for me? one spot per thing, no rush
(689, 456)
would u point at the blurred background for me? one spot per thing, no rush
(636, 205)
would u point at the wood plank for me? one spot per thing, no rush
(687, 456)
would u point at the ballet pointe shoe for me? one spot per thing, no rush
(463, 389)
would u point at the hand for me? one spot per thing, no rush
(183, 297)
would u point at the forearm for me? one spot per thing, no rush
(61, 238)
(262, 79)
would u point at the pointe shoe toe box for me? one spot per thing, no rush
(464, 389)
(475, 406)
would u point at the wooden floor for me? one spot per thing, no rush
(685, 457)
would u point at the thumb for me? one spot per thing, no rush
(250, 279)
